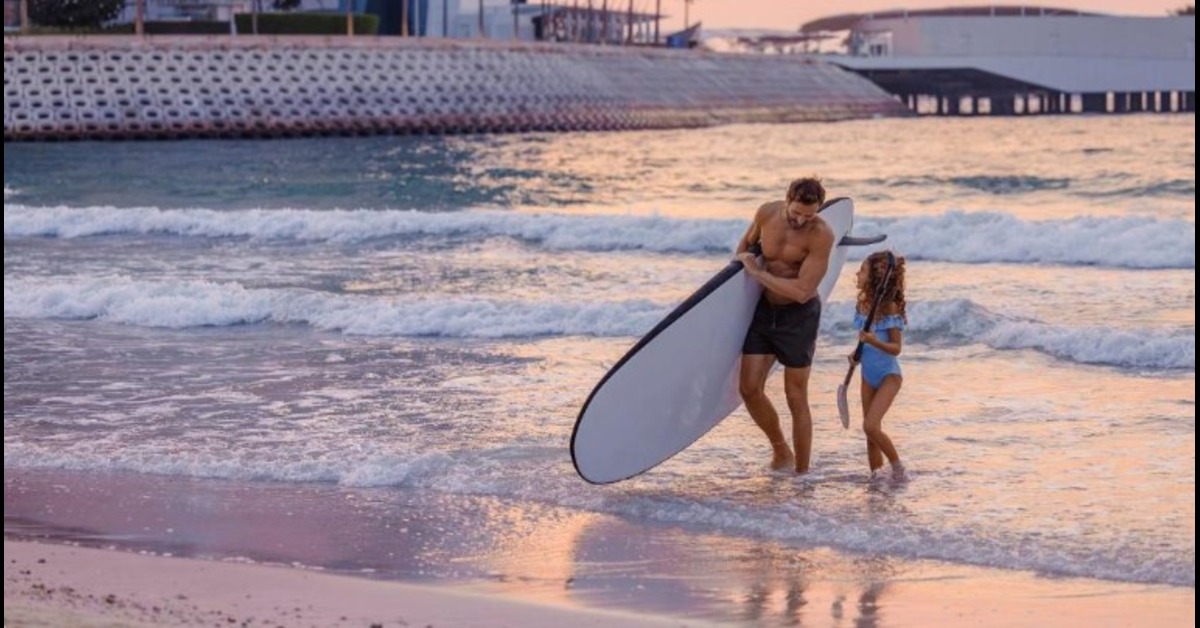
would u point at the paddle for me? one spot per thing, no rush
(843, 402)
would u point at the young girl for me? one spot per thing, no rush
(881, 377)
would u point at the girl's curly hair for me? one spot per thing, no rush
(894, 291)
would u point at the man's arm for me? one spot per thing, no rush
(753, 234)
(812, 271)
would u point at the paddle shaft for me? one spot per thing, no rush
(850, 373)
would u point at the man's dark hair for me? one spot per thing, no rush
(807, 190)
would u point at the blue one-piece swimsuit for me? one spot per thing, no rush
(876, 364)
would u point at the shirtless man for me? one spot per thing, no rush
(796, 245)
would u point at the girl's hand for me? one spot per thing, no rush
(851, 359)
(866, 337)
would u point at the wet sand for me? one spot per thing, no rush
(126, 549)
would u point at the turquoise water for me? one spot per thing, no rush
(425, 316)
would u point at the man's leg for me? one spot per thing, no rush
(752, 385)
(795, 384)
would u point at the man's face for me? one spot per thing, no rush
(799, 214)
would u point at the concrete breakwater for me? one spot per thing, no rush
(168, 87)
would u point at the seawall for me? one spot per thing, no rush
(113, 87)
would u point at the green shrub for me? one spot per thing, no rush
(58, 30)
(73, 13)
(192, 27)
(307, 24)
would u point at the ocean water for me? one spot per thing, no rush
(420, 320)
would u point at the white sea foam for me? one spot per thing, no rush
(962, 321)
(1128, 242)
(184, 304)
(554, 231)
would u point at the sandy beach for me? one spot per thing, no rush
(51, 585)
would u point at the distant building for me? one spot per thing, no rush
(583, 21)
(170, 10)
(463, 19)
(589, 24)
(595, 21)
(686, 38)
(1021, 59)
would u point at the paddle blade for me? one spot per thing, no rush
(843, 406)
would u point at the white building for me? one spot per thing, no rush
(1070, 61)
(578, 20)
(582, 21)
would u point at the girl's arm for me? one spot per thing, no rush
(892, 346)
(895, 340)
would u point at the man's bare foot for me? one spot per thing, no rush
(782, 458)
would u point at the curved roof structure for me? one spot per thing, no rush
(846, 21)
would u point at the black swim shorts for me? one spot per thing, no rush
(788, 331)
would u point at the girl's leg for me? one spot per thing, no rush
(881, 401)
(874, 456)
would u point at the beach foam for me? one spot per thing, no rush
(965, 237)
(185, 304)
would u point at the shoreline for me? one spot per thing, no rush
(236, 550)
(50, 584)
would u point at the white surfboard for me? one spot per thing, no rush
(681, 379)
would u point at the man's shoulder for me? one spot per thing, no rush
(770, 206)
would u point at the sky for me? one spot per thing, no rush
(790, 14)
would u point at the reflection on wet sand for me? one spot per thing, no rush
(552, 555)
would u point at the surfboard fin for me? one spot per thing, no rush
(849, 240)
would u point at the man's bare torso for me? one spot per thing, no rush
(784, 248)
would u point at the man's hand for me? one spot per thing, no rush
(750, 261)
